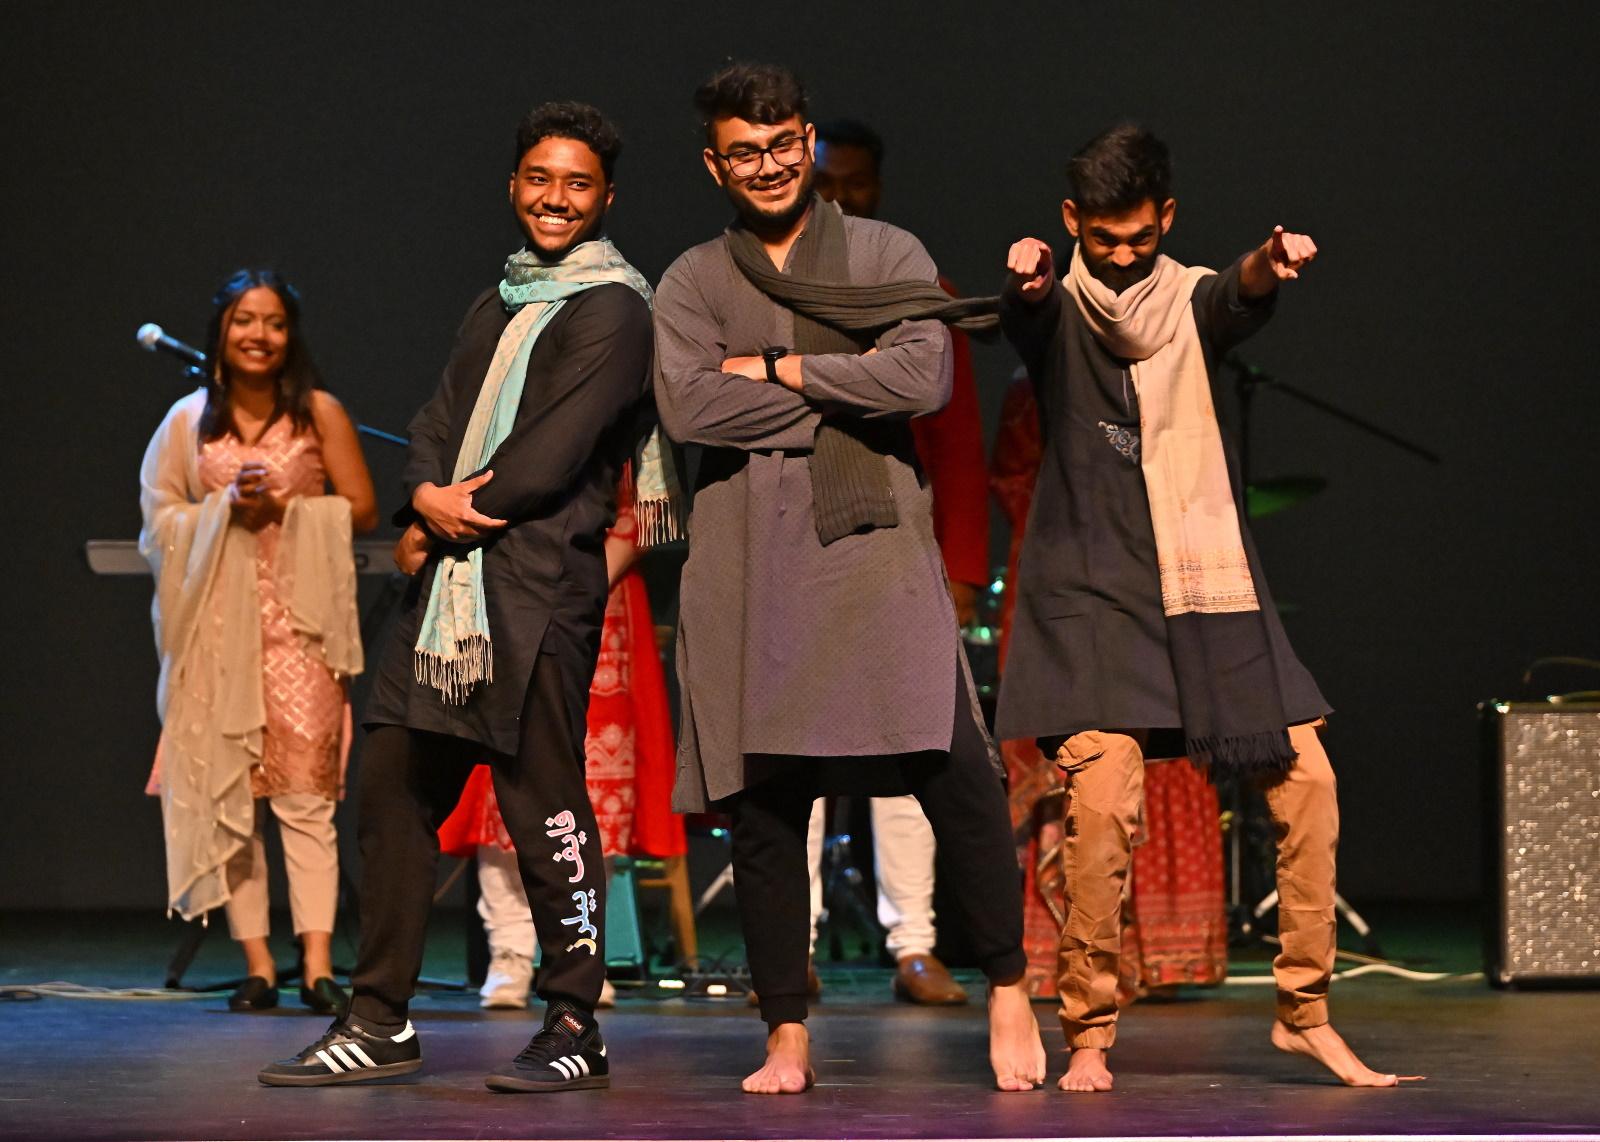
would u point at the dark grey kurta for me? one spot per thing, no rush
(555, 477)
(1089, 640)
(786, 647)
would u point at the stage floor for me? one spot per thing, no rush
(1499, 1065)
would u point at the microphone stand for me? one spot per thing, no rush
(1248, 378)
(1245, 831)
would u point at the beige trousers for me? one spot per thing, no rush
(310, 856)
(1105, 784)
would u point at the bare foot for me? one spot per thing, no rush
(1325, 1045)
(1015, 1050)
(788, 1067)
(1087, 1073)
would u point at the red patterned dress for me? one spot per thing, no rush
(1175, 922)
(628, 749)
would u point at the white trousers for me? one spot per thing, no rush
(503, 903)
(310, 856)
(903, 852)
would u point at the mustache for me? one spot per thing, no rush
(767, 182)
(1121, 277)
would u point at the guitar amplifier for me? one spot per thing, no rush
(1543, 766)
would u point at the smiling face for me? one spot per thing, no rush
(560, 195)
(255, 337)
(1120, 249)
(770, 197)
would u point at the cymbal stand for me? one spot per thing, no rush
(1247, 836)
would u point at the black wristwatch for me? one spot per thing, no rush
(772, 354)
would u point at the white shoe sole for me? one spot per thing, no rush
(510, 1084)
(365, 1074)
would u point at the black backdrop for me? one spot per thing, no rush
(1438, 153)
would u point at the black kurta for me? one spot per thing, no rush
(585, 404)
(1089, 640)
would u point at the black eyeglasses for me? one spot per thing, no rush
(743, 162)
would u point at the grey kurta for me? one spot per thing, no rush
(786, 647)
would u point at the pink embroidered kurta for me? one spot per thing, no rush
(305, 703)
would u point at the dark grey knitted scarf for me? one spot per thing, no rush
(849, 470)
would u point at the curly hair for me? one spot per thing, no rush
(570, 120)
(758, 92)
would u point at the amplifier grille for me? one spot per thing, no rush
(1549, 841)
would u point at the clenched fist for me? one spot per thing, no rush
(1032, 268)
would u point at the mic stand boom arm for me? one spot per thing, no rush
(1249, 377)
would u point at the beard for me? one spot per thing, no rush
(1120, 278)
(773, 220)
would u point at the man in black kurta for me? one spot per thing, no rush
(1111, 658)
(538, 510)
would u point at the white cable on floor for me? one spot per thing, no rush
(1368, 969)
(61, 989)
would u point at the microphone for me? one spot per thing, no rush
(154, 338)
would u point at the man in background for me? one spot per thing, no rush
(949, 445)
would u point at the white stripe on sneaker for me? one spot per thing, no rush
(583, 1063)
(328, 1062)
(566, 1068)
(355, 1049)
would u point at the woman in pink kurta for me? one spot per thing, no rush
(266, 435)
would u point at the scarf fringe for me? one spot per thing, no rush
(455, 677)
(456, 611)
(660, 521)
(1243, 755)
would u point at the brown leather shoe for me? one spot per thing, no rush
(924, 980)
(813, 986)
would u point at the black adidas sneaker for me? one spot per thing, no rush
(348, 1053)
(567, 1054)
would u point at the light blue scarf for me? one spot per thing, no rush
(454, 649)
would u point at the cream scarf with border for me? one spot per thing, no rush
(1198, 542)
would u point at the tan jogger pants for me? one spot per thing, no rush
(1105, 784)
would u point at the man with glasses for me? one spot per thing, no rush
(818, 651)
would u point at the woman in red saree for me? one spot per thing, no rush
(1175, 922)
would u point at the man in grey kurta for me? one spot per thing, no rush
(809, 667)
(786, 646)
